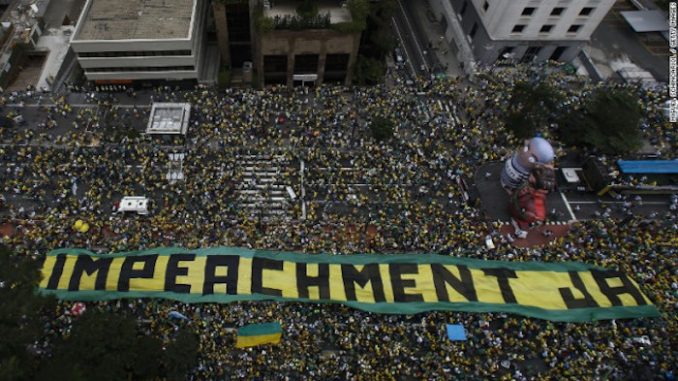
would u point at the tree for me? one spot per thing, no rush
(609, 121)
(181, 355)
(369, 71)
(106, 346)
(533, 106)
(380, 32)
(20, 312)
(307, 9)
(100, 346)
(382, 128)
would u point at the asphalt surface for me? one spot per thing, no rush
(565, 206)
(411, 37)
(342, 188)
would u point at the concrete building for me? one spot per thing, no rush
(285, 48)
(130, 40)
(524, 30)
(20, 29)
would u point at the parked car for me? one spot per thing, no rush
(138, 205)
(398, 56)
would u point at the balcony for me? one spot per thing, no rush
(344, 16)
(335, 11)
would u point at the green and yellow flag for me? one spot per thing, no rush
(256, 334)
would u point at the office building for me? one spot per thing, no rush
(286, 48)
(522, 30)
(130, 40)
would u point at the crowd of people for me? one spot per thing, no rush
(362, 196)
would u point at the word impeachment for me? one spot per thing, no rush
(404, 284)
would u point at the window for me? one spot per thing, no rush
(335, 77)
(506, 53)
(463, 8)
(557, 53)
(275, 64)
(275, 79)
(474, 29)
(528, 11)
(518, 28)
(136, 53)
(586, 11)
(531, 54)
(238, 23)
(336, 62)
(306, 64)
(485, 6)
(139, 68)
(557, 11)
(545, 28)
(574, 28)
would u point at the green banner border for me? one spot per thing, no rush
(358, 259)
(571, 315)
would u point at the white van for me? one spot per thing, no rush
(138, 205)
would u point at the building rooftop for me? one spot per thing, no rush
(338, 12)
(135, 19)
(169, 119)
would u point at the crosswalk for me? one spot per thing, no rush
(443, 109)
(261, 190)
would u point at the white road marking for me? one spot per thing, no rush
(616, 202)
(402, 43)
(303, 191)
(567, 205)
(76, 105)
(414, 37)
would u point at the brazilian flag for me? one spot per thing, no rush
(256, 334)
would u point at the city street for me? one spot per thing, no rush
(257, 181)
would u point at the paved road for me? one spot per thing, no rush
(566, 206)
(343, 187)
(411, 39)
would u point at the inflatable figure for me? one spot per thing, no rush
(536, 151)
(528, 177)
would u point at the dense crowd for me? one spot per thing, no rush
(443, 129)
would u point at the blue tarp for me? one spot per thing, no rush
(648, 166)
(456, 332)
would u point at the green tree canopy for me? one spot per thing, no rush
(182, 355)
(20, 313)
(533, 106)
(105, 346)
(307, 8)
(382, 128)
(608, 120)
(101, 346)
(369, 71)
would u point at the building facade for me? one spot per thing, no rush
(284, 49)
(130, 40)
(522, 30)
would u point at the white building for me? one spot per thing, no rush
(126, 40)
(524, 30)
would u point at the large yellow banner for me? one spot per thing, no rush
(379, 283)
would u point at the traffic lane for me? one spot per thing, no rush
(409, 43)
(587, 205)
(38, 120)
(401, 43)
(585, 210)
(416, 23)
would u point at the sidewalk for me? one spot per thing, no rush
(435, 35)
(615, 42)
